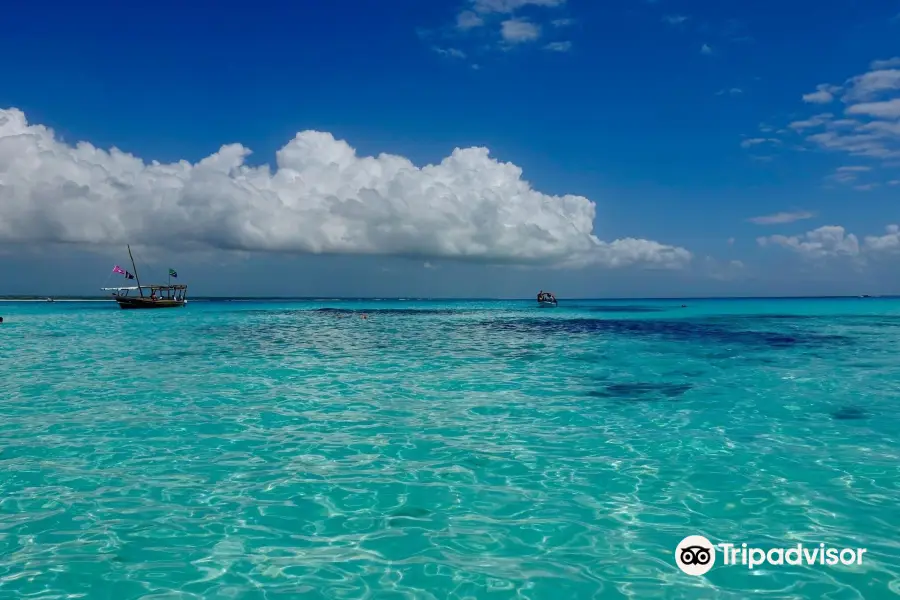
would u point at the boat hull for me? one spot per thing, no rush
(133, 303)
(546, 304)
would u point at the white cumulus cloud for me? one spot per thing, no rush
(889, 242)
(887, 109)
(826, 241)
(516, 31)
(833, 241)
(321, 198)
(872, 85)
(885, 64)
(823, 95)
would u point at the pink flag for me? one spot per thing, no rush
(118, 269)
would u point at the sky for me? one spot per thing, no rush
(453, 148)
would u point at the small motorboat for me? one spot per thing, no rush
(546, 300)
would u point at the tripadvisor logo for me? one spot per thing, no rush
(696, 555)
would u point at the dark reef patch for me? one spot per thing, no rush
(349, 311)
(641, 390)
(389, 311)
(782, 319)
(627, 309)
(762, 317)
(164, 355)
(849, 413)
(677, 330)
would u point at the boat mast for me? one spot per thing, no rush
(133, 266)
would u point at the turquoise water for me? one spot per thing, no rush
(445, 449)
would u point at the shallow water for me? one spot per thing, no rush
(446, 449)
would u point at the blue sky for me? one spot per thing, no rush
(681, 121)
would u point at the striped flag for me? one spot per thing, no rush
(172, 273)
(119, 270)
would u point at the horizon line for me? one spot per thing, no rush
(44, 297)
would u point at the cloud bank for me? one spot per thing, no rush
(832, 241)
(320, 199)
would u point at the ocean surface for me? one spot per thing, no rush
(263, 450)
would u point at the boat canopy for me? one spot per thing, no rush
(148, 287)
(174, 286)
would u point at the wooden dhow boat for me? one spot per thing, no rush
(156, 296)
